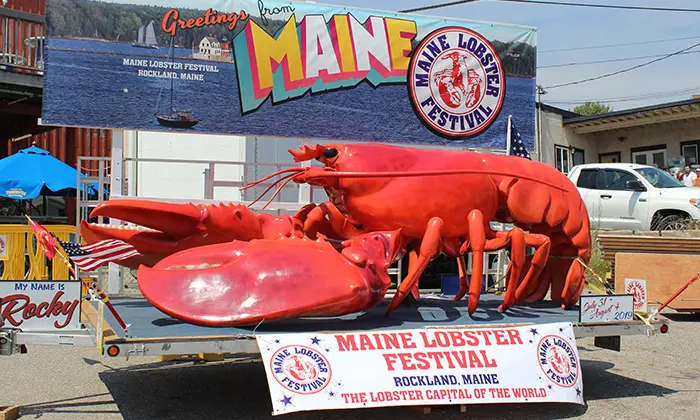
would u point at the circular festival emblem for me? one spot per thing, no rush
(635, 288)
(456, 82)
(558, 360)
(300, 369)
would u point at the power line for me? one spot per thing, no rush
(594, 47)
(555, 3)
(605, 6)
(437, 6)
(590, 79)
(612, 60)
(656, 95)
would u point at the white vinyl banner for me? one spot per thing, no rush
(361, 369)
(40, 305)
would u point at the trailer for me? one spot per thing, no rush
(152, 333)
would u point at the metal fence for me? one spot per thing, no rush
(21, 41)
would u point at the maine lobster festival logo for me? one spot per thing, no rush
(457, 82)
(636, 289)
(558, 360)
(301, 369)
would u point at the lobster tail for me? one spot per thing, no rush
(563, 270)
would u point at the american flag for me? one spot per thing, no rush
(92, 256)
(517, 147)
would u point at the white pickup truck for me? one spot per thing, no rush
(636, 197)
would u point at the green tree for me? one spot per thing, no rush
(592, 108)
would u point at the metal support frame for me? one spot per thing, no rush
(246, 344)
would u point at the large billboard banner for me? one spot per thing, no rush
(286, 69)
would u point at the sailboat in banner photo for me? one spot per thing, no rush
(174, 118)
(146, 37)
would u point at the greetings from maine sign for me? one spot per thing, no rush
(285, 69)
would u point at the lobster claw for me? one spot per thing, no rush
(245, 283)
(165, 228)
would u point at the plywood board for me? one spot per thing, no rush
(665, 274)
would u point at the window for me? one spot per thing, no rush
(615, 179)
(579, 157)
(650, 157)
(562, 163)
(587, 179)
(690, 153)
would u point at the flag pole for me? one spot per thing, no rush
(96, 288)
(508, 136)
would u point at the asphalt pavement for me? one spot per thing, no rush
(654, 377)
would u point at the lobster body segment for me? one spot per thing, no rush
(245, 283)
(408, 203)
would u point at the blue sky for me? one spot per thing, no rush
(561, 27)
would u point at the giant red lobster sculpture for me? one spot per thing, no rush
(384, 201)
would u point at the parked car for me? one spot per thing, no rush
(633, 196)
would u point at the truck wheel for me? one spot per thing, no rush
(672, 222)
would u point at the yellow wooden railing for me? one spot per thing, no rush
(23, 259)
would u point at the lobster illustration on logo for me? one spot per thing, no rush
(459, 86)
(558, 361)
(302, 370)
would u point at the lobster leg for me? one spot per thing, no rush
(539, 260)
(515, 267)
(430, 247)
(314, 221)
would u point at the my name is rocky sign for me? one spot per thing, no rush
(534, 363)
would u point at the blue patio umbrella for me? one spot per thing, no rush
(32, 172)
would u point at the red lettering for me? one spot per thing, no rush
(171, 20)
(423, 363)
(488, 363)
(442, 339)
(436, 357)
(406, 361)
(19, 308)
(390, 363)
(457, 339)
(500, 338)
(472, 339)
(485, 333)
(346, 343)
(514, 336)
(407, 340)
(366, 343)
(427, 342)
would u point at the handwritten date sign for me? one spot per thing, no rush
(606, 308)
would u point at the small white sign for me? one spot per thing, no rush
(3, 247)
(638, 288)
(595, 309)
(40, 305)
(455, 365)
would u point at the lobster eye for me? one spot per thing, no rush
(330, 153)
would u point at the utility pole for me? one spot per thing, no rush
(538, 144)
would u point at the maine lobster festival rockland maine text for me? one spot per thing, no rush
(436, 351)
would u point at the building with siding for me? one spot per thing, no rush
(664, 135)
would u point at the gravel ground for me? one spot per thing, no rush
(652, 378)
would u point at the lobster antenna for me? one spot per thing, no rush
(272, 175)
(279, 189)
(271, 187)
(338, 174)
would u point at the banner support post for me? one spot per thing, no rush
(114, 281)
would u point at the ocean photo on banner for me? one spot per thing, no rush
(215, 68)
